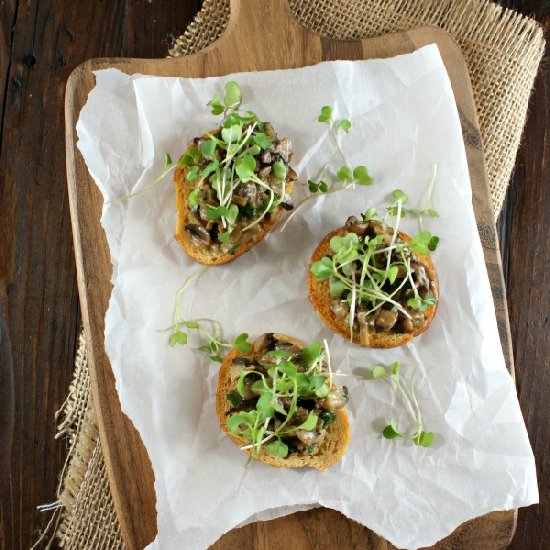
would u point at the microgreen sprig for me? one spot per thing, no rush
(283, 383)
(419, 213)
(367, 284)
(428, 209)
(329, 180)
(424, 242)
(207, 328)
(346, 177)
(405, 389)
(168, 167)
(211, 329)
(231, 102)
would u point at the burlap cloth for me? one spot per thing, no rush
(502, 51)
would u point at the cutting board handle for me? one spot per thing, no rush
(259, 30)
(251, 15)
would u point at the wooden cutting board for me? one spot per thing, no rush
(261, 35)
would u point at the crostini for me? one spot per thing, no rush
(232, 185)
(374, 287)
(279, 404)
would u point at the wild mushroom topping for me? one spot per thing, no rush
(313, 437)
(340, 308)
(266, 342)
(385, 320)
(239, 174)
(376, 281)
(336, 399)
(198, 233)
(286, 400)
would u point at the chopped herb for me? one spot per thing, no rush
(234, 398)
(248, 211)
(328, 417)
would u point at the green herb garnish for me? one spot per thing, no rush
(234, 153)
(406, 391)
(365, 272)
(278, 386)
(346, 176)
(208, 329)
(234, 398)
(332, 180)
(398, 194)
(327, 417)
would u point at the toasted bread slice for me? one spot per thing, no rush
(332, 448)
(202, 253)
(319, 296)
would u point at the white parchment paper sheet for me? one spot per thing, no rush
(404, 120)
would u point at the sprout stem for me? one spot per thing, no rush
(145, 188)
(428, 198)
(190, 280)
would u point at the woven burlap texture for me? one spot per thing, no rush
(502, 50)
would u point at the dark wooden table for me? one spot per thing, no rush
(41, 41)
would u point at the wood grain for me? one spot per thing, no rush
(76, 31)
(323, 529)
(525, 237)
(286, 45)
(41, 41)
(525, 234)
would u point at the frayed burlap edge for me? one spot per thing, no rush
(502, 50)
(84, 492)
(83, 516)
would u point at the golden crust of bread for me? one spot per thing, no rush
(198, 252)
(334, 444)
(319, 296)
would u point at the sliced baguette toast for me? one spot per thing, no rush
(201, 253)
(319, 296)
(332, 448)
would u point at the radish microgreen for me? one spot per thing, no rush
(208, 329)
(345, 125)
(231, 155)
(283, 379)
(424, 242)
(231, 101)
(428, 206)
(326, 114)
(417, 212)
(346, 176)
(168, 167)
(372, 272)
(405, 389)
(332, 179)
